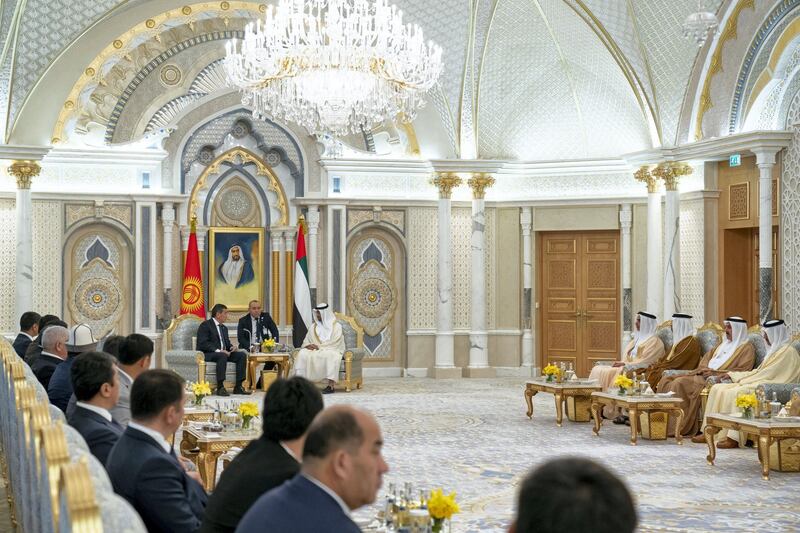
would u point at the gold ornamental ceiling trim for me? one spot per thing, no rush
(715, 66)
(130, 39)
(245, 156)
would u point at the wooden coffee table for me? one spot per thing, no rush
(211, 446)
(768, 430)
(635, 406)
(282, 362)
(575, 393)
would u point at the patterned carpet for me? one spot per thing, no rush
(472, 436)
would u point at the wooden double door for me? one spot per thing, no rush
(579, 284)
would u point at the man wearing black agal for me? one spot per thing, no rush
(214, 342)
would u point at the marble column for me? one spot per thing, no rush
(275, 278)
(654, 289)
(145, 269)
(526, 224)
(445, 356)
(765, 159)
(288, 243)
(625, 223)
(312, 220)
(478, 336)
(24, 172)
(167, 222)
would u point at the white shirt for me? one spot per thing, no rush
(253, 330)
(219, 333)
(130, 379)
(337, 499)
(158, 437)
(290, 452)
(23, 333)
(49, 354)
(99, 410)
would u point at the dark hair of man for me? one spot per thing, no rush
(48, 320)
(112, 344)
(28, 320)
(153, 391)
(290, 406)
(217, 309)
(88, 373)
(332, 431)
(576, 495)
(134, 348)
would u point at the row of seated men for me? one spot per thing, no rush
(729, 367)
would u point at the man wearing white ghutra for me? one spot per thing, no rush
(323, 349)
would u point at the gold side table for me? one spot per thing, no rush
(636, 405)
(575, 394)
(211, 446)
(768, 430)
(282, 362)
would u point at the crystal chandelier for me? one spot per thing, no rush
(701, 25)
(333, 66)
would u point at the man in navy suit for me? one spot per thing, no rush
(54, 353)
(342, 470)
(214, 342)
(59, 389)
(255, 326)
(28, 329)
(96, 385)
(143, 467)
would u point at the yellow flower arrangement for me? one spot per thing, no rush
(623, 382)
(746, 401)
(201, 389)
(248, 411)
(551, 371)
(268, 345)
(442, 507)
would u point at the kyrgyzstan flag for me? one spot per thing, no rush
(301, 313)
(192, 301)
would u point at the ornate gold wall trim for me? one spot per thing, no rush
(715, 66)
(152, 27)
(244, 156)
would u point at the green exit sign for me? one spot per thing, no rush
(735, 160)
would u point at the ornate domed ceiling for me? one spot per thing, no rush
(523, 79)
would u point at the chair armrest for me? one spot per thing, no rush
(604, 363)
(630, 367)
(183, 356)
(668, 373)
(356, 354)
(782, 390)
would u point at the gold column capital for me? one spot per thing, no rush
(446, 182)
(671, 173)
(645, 176)
(24, 171)
(479, 183)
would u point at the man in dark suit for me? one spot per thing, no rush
(255, 327)
(109, 345)
(289, 407)
(28, 329)
(96, 386)
(214, 342)
(143, 467)
(59, 390)
(54, 352)
(35, 348)
(342, 470)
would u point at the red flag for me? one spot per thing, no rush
(192, 301)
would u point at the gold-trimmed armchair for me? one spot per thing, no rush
(351, 373)
(180, 339)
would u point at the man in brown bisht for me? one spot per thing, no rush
(735, 353)
(685, 354)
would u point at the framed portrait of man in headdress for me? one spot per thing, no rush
(235, 266)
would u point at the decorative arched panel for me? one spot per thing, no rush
(236, 205)
(376, 295)
(98, 280)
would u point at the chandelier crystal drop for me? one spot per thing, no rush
(333, 66)
(701, 25)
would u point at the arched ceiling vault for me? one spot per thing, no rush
(523, 79)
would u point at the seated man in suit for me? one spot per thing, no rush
(143, 467)
(289, 407)
(342, 470)
(28, 329)
(96, 386)
(54, 352)
(255, 326)
(80, 341)
(34, 349)
(576, 495)
(214, 342)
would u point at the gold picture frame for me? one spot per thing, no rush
(229, 283)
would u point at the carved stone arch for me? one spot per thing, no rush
(98, 278)
(376, 292)
(235, 204)
(241, 157)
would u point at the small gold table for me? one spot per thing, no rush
(212, 445)
(768, 431)
(574, 393)
(636, 405)
(282, 362)
(197, 413)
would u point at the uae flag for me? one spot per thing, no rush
(301, 313)
(192, 302)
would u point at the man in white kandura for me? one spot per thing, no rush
(323, 349)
